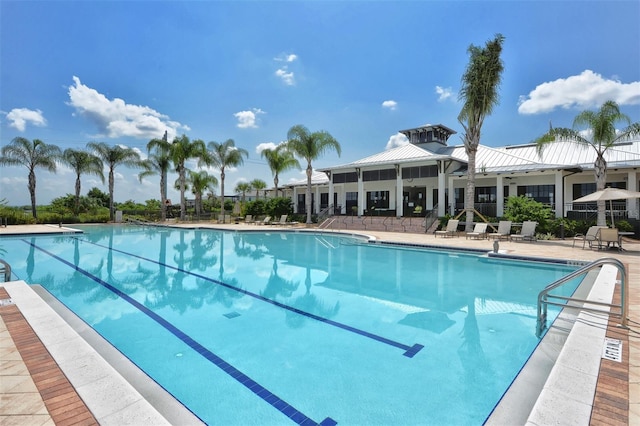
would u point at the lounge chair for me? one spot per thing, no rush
(527, 232)
(249, 219)
(504, 229)
(264, 221)
(479, 231)
(610, 237)
(589, 237)
(282, 221)
(450, 230)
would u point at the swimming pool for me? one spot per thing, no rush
(259, 327)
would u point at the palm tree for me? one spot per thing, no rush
(113, 156)
(221, 155)
(600, 134)
(22, 152)
(158, 162)
(310, 146)
(198, 182)
(258, 185)
(82, 162)
(243, 188)
(479, 94)
(279, 160)
(182, 149)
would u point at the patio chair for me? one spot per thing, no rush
(450, 230)
(282, 221)
(527, 232)
(479, 231)
(504, 229)
(264, 221)
(589, 237)
(249, 219)
(610, 237)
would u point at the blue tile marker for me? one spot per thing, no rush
(409, 351)
(260, 391)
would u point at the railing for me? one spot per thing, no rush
(543, 296)
(325, 213)
(430, 218)
(5, 269)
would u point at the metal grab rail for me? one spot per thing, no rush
(6, 269)
(544, 295)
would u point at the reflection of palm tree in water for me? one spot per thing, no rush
(311, 304)
(471, 354)
(31, 261)
(278, 286)
(244, 249)
(199, 249)
(219, 293)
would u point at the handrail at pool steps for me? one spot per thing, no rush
(544, 296)
(5, 269)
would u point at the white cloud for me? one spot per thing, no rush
(115, 118)
(397, 140)
(265, 145)
(19, 117)
(286, 76)
(286, 57)
(583, 91)
(392, 105)
(248, 119)
(444, 93)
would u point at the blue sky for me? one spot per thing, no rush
(73, 72)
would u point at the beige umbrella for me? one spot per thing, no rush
(608, 194)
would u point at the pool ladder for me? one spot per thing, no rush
(544, 296)
(5, 270)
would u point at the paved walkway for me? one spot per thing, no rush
(557, 249)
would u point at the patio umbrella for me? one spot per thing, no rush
(608, 194)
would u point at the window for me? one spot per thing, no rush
(541, 193)
(419, 172)
(373, 175)
(345, 177)
(377, 199)
(485, 194)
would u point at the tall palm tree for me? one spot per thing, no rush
(158, 162)
(198, 182)
(113, 156)
(280, 160)
(221, 155)
(598, 131)
(479, 93)
(310, 146)
(82, 162)
(243, 188)
(182, 149)
(31, 154)
(258, 185)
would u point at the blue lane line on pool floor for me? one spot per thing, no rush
(260, 391)
(409, 351)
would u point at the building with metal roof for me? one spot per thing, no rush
(427, 174)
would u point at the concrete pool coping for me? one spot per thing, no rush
(546, 389)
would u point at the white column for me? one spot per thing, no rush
(452, 198)
(360, 193)
(441, 189)
(295, 199)
(632, 185)
(499, 196)
(331, 192)
(317, 199)
(399, 201)
(559, 195)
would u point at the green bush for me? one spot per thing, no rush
(256, 208)
(521, 208)
(279, 206)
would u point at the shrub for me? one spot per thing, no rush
(256, 208)
(279, 206)
(521, 208)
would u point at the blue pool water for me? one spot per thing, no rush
(283, 328)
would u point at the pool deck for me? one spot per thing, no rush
(35, 390)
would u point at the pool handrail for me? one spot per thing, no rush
(543, 296)
(5, 268)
